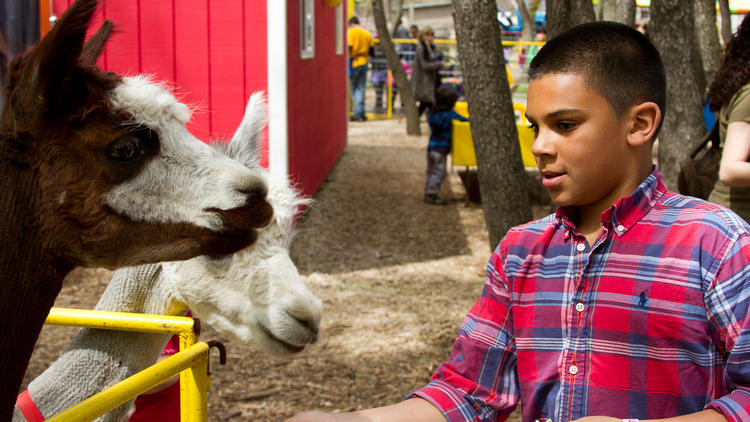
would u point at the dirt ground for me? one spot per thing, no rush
(396, 277)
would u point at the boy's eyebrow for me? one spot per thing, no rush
(556, 113)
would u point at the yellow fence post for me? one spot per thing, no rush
(191, 362)
(391, 97)
(120, 393)
(194, 384)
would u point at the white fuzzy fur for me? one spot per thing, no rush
(187, 176)
(256, 287)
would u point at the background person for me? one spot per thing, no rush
(360, 46)
(440, 118)
(729, 93)
(424, 74)
(540, 36)
(379, 77)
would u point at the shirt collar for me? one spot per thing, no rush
(628, 210)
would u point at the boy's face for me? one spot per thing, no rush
(580, 145)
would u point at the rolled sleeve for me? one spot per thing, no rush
(734, 406)
(480, 381)
(728, 300)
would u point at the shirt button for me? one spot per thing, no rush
(620, 227)
(573, 369)
(579, 307)
(581, 247)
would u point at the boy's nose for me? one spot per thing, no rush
(541, 146)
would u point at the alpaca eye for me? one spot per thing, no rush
(130, 147)
(124, 149)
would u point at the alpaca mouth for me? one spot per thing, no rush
(290, 347)
(253, 215)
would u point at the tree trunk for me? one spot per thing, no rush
(608, 10)
(565, 14)
(502, 178)
(708, 39)
(398, 16)
(672, 31)
(528, 21)
(626, 12)
(394, 64)
(726, 21)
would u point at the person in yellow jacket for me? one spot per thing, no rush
(360, 48)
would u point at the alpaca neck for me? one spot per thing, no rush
(114, 355)
(30, 278)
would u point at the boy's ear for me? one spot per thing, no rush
(644, 120)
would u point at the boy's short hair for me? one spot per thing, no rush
(354, 20)
(613, 59)
(445, 97)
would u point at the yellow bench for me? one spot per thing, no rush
(463, 147)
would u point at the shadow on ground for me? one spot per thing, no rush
(384, 221)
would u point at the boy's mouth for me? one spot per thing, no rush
(551, 179)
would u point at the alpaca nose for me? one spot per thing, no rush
(255, 188)
(310, 321)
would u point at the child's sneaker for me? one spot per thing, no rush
(434, 200)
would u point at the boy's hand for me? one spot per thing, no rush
(312, 417)
(328, 417)
(598, 419)
(412, 410)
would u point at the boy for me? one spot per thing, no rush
(440, 118)
(630, 301)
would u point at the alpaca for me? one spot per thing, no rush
(255, 295)
(99, 170)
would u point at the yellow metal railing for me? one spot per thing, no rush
(191, 362)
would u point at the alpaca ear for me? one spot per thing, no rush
(95, 45)
(52, 76)
(246, 142)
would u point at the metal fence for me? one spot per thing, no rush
(191, 362)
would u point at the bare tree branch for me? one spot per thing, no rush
(394, 64)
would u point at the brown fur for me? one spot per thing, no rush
(55, 128)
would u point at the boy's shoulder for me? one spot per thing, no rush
(682, 210)
(528, 232)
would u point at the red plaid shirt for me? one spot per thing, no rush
(651, 321)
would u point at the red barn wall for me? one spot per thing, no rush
(316, 98)
(213, 52)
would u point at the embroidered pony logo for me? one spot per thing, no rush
(642, 299)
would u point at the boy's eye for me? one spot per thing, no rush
(566, 126)
(534, 127)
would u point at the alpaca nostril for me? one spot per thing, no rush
(302, 322)
(308, 323)
(256, 188)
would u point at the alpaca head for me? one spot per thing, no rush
(256, 294)
(117, 178)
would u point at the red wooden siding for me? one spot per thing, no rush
(316, 99)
